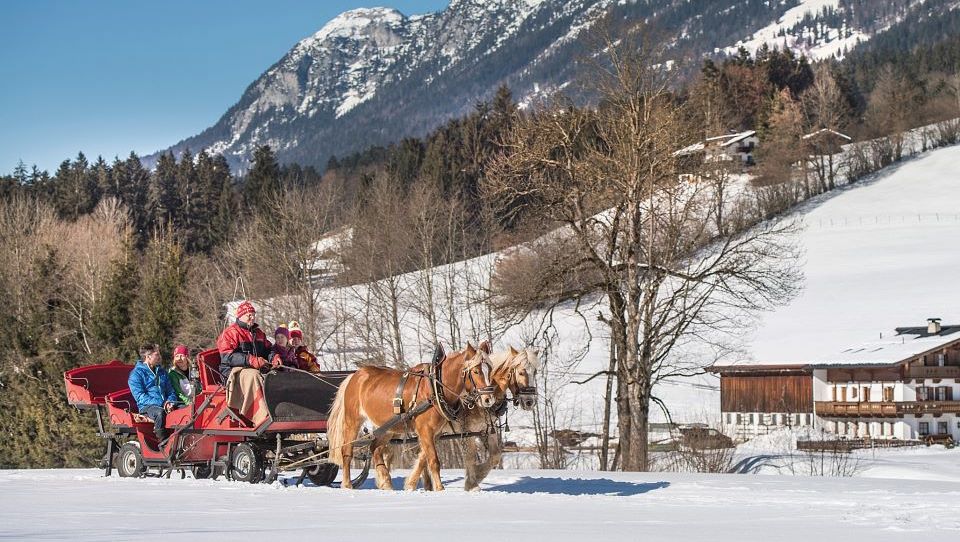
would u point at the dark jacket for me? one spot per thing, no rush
(149, 387)
(287, 355)
(238, 343)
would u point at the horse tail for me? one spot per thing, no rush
(336, 424)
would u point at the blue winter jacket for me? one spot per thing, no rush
(149, 387)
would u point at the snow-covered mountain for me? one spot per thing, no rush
(372, 76)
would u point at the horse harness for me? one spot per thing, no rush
(435, 376)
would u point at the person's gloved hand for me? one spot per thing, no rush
(256, 362)
(276, 361)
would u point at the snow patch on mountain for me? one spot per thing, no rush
(835, 41)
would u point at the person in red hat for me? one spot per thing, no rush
(244, 352)
(243, 344)
(180, 374)
(305, 360)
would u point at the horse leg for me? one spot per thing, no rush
(415, 473)
(351, 429)
(381, 469)
(494, 452)
(470, 464)
(429, 451)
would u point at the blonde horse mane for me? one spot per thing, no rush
(512, 358)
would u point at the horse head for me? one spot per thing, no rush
(477, 374)
(523, 376)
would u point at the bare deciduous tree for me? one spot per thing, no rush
(650, 242)
(825, 108)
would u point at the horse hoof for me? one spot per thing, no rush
(474, 489)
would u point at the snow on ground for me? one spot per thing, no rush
(878, 254)
(82, 505)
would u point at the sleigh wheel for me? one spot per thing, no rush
(201, 472)
(246, 464)
(323, 474)
(130, 461)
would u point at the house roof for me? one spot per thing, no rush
(898, 348)
(730, 139)
(906, 343)
(827, 131)
(721, 141)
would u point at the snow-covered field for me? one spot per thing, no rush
(899, 495)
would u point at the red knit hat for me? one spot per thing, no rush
(245, 308)
(295, 331)
(180, 350)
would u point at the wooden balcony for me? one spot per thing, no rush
(885, 409)
(933, 372)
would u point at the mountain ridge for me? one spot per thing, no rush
(371, 76)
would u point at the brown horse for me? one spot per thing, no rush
(368, 394)
(513, 371)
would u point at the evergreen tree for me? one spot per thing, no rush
(76, 190)
(163, 277)
(113, 315)
(263, 178)
(224, 198)
(163, 200)
(103, 178)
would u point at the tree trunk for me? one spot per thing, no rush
(607, 398)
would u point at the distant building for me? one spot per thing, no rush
(903, 387)
(735, 147)
(826, 141)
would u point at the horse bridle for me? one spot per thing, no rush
(521, 391)
(470, 398)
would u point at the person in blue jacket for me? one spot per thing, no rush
(151, 389)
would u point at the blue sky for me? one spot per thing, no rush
(110, 76)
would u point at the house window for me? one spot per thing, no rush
(924, 429)
(941, 393)
(888, 394)
(738, 418)
(939, 360)
(921, 393)
(853, 393)
(942, 428)
(887, 429)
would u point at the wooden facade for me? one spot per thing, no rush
(887, 409)
(788, 391)
(865, 374)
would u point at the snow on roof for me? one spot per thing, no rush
(892, 350)
(730, 139)
(878, 253)
(829, 131)
(721, 141)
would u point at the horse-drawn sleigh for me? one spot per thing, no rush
(456, 396)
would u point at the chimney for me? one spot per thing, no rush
(933, 326)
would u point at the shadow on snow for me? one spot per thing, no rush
(572, 486)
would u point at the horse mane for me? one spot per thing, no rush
(510, 358)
